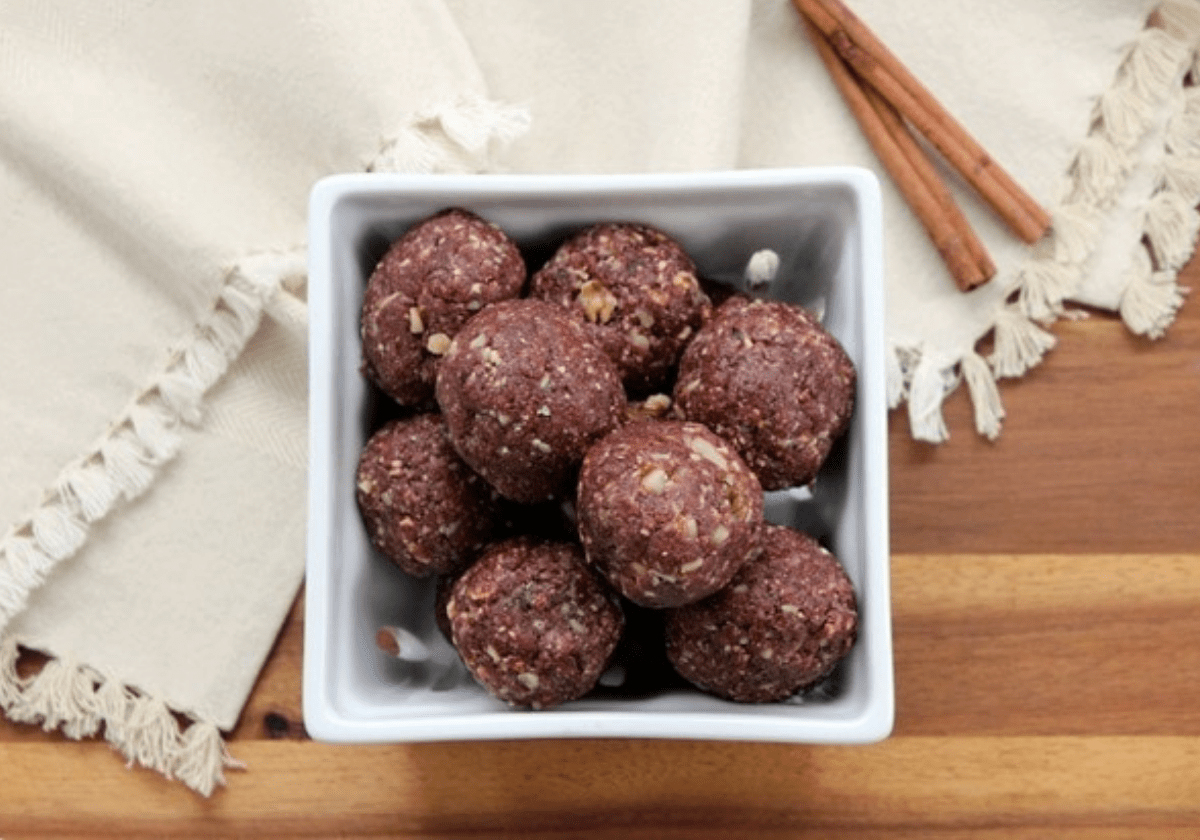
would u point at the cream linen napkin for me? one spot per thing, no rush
(1081, 102)
(155, 163)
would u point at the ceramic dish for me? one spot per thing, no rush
(825, 226)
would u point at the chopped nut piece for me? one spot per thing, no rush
(688, 528)
(402, 644)
(654, 481)
(598, 302)
(415, 324)
(438, 344)
(708, 452)
(658, 403)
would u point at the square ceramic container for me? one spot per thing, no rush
(825, 226)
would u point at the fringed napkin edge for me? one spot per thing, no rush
(1161, 63)
(460, 135)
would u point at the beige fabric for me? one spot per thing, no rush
(155, 160)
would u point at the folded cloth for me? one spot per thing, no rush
(157, 162)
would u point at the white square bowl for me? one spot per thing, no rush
(825, 225)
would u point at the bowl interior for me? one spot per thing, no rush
(824, 228)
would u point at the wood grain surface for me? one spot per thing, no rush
(1046, 626)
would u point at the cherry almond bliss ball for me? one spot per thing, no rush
(667, 511)
(423, 507)
(783, 623)
(431, 280)
(533, 624)
(767, 377)
(635, 291)
(525, 393)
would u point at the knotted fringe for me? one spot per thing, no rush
(1148, 76)
(931, 382)
(1105, 159)
(1170, 221)
(145, 435)
(1018, 343)
(1151, 298)
(457, 136)
(123, 463)
(985, 396)
(78, 700)
(926, 384)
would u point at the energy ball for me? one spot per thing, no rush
(782, 624)
(525, 393)
(533, 624)
(667, 512)
(428, 283)
(767, 377)
(636, 292)
(423, 507)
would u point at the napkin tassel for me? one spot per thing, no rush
(459, 135)
(202, 758)
(1150, 299)
(1018, 343)
(1151, 68)
(931, 382)
(1171, 224)
(78, 700)
(985, 396)
(1045, 285)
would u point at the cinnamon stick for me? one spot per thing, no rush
(911, 171)
(928, 174)
(878, 67)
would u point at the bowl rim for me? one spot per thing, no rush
(874, 719)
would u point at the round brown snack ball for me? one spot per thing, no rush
(667, 511)
(767, 377)
(636, 292)
(423, 507)
(430, 281)
(533, 624)
(781, 625)
(524, 393)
